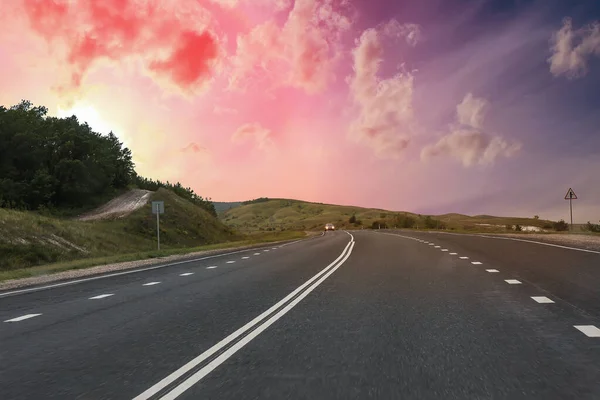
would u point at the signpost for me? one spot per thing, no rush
(571, 196)
(158, 207)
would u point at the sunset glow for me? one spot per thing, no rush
(426, 106)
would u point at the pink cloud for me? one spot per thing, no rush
(467, 142)
(254, 132)
(570, 58)
(302, 53)
(385, 120)
(172, 42)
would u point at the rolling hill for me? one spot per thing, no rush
(288, 214)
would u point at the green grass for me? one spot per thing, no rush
(92, 262)
(294, 214)
(28, 239)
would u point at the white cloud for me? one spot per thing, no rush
(385, 120)
(571, 49)
(409, 32)
(472, 111)
(306, 47)
(253, 132)
(467, 142)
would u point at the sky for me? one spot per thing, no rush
(429, 106)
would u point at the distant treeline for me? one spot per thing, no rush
(259, 200)
(60, 163)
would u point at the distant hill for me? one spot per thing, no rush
(288, 214)
(222, 206)
(28, 238)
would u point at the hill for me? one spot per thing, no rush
(287, 214)
(222, 206)
(29, 238)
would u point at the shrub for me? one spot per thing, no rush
(561, 226)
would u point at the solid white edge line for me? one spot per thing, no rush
(521, 240)
(22, 317)
(191, 364)
(195, 378)
(93, 278)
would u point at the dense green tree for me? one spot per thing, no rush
(62, 163)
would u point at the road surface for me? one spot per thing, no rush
(365, 314)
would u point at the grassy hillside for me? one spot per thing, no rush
(28, 238)
(284, 214)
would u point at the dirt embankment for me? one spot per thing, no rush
(119, 207)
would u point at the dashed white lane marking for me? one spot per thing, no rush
(437, 247)
(493, 271)
(102, 296)
(230, 262)
(266, 250)
(257, 254)
(274, 248)
(444, 249)
(186, 274)
(211, 267)
(77, 281)
(512, 281)
(22, 317)
(464, 258)
(542, 299)
(476, 263)
(453, 254)
(245, 258)
(150, 283)
(432, 244)
(588, 330)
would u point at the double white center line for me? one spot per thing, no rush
(169, 388)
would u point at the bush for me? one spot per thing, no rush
(352, 219)
(561, 226)
(592, 227)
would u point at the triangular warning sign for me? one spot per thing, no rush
(570, 195)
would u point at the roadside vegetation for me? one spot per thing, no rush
(53, 170)
(285, 214)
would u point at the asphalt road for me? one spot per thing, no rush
(371, 314)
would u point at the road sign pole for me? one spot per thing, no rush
(571, 208)
(158, 230)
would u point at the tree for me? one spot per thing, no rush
(352, 219)
(536, 217)
(62, 163)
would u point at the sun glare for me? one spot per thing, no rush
(87, 113)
